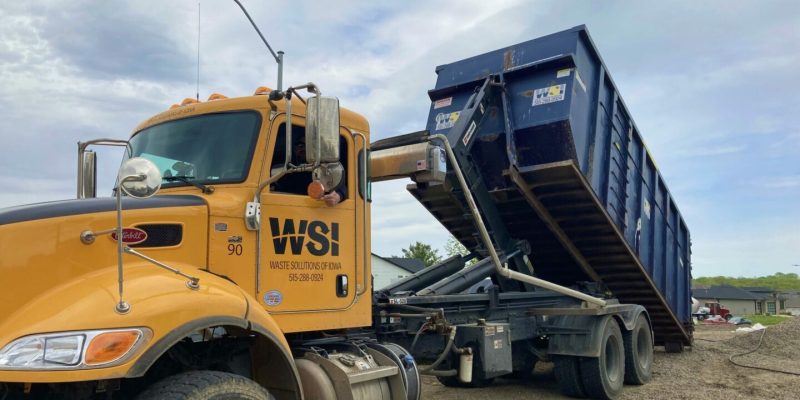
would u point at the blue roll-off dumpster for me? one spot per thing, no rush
(570, 174)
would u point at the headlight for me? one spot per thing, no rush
(72, 350)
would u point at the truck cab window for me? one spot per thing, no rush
(210, 149)
(297, 182)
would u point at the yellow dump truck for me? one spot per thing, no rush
(233, 259)
(72, 312)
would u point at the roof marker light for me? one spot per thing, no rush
(262, 90)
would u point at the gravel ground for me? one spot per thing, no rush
(702, 372)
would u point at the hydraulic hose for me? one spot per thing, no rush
(444, 354)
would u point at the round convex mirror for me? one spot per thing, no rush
(139, 177)
(330, 175)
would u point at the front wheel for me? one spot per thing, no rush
(205, 385)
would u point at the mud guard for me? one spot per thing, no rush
(580, 335)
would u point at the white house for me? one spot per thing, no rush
(387, 270)
(792, 303)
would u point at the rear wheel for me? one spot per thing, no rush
(523, 360)
(603, 376)
(568, 375)
(205, 385)
(638, 352)
(673, 347)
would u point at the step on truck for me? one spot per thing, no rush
(233, 258)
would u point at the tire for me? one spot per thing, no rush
(673, 347)
(638, 352)
(205, 385)
(568, 375)
(728, 317)
(523, 361)
(525, 371)
(603, 376)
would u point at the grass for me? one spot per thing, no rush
(767, 320)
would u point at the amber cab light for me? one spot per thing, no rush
(110, 346)
(262, 90)
(217, 96)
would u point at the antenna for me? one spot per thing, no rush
(278, 57)
(198, 51)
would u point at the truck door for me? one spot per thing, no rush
(308, 249)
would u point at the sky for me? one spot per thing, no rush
(713, 86)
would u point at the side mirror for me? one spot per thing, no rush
(330, 175)
(139, 177)
(322, 130)
(87, 175)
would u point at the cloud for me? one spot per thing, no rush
(713, 150)
(399, 220)
(115, 40)
(712, 90)
(747, 250)
(783, 182)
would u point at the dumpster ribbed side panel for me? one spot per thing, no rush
(562, 105)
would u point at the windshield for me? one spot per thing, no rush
(212, 148)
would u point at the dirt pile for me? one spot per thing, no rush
(779, 348)
(702, 372)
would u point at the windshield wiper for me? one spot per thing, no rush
(188, 180)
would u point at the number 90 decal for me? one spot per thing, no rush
(234, 249)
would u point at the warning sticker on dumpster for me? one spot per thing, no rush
(470, 131)
(549, 95)
(442, 103)
(446, 120)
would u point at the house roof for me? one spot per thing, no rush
(409, 264)
(726, 292)
(758, 289)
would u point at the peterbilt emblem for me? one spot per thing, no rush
(131, 235)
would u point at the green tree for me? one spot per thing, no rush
(454, 247)
(778, 281)
(423, 252)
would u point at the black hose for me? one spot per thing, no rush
(416, 337)
(442, 356)
(443, 372)
(760, 340)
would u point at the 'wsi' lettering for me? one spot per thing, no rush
(316, 236)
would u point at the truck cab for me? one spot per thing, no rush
(233, 145)
(302, 268)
